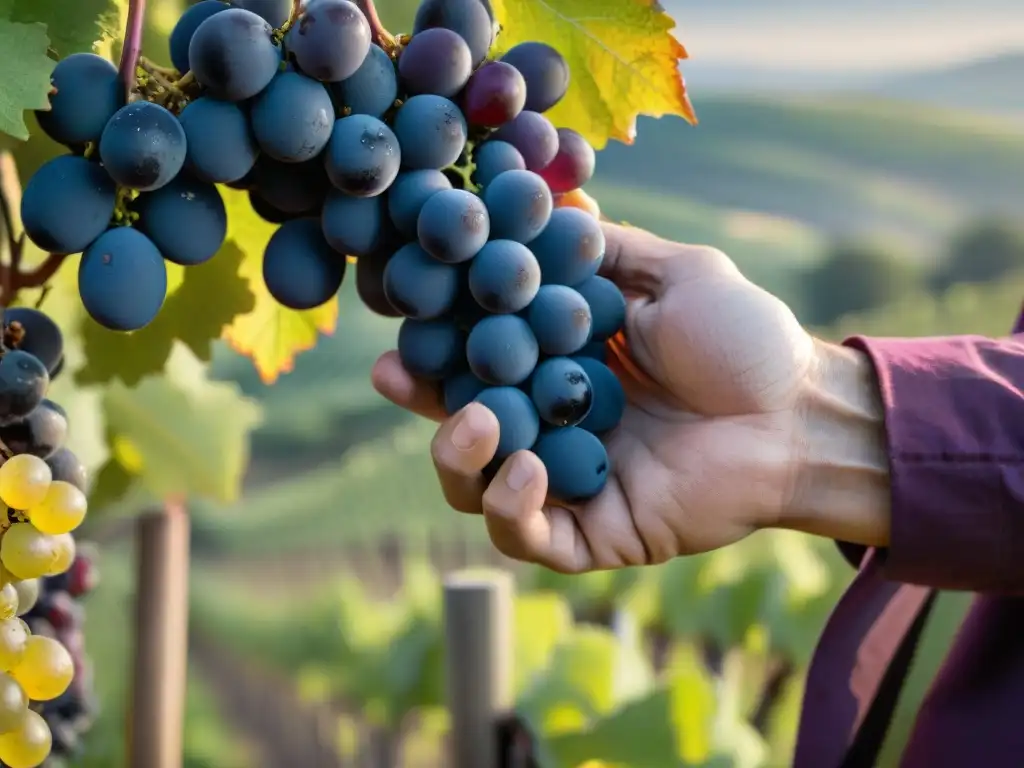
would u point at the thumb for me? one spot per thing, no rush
(637, 260)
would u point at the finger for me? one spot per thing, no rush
(390, 379)
(636, 260)
(462, 447)
(522, 527)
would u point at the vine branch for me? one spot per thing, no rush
(12, 279)
(132, 48)
(378, 33)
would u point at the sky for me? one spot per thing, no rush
(849, 36)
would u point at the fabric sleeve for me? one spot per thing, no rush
(954, 420)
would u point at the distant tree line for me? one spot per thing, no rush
(859, 275)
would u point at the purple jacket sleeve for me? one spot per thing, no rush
(954, 417)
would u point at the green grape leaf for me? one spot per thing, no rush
(639, 733)
(542, 621)
(582, 675)
(72, 27)
(181, 440)
(270, 335)
(210, 297)
(24, 72)
(622, 56)
(111, 484)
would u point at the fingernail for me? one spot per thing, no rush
(520, 474)
(470, 429)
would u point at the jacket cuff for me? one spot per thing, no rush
(954, 421)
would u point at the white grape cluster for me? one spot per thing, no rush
(39, 515)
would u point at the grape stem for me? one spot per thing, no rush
(378, 33)
(13, 279)
(132, 44)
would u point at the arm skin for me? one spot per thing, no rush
(916, 446)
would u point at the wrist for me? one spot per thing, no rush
(841, 484)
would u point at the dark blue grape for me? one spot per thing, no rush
(520, 205)
(300, 269)
(372, 89)
(561, 391)
(467, 18)
(518, 423)
(66, 467)
(122, 279)
(432, 132)
(276, 12)
(143, 146)
(607, 305)
(186, 220)
(609, 397)
(453, 226)
(561, 320)
(233, 55)
(534, 136)
(39, 433)
(460, 390)
(502, 350)
(273, 215)
(67, 204)
(504, 277)
(418, 285)
(87, 93)
(188, 23)
(353, 225)
(431, 349)
(330, 41)
(576, 461)
(571, 247)
(370, 286)
(363, 156)
(220, 147)
(23, 383)
(292, 187)
(493, 158)
(409, 193)
(292, 118)
(40, 335)
(546, 73)
(597, 350)
(435, 61)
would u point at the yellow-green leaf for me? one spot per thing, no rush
(210, 297)
(72, 27)
(182, 441)
(623, 61)
(270, 335)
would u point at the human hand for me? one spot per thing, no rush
(720, 380)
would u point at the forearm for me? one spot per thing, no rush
(841, 487)
(916, 446)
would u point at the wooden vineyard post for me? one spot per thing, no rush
(157, 707)
(478, 643)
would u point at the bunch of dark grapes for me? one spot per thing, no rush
(429, 163)
(43, 685)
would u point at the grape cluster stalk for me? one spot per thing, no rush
(45, 698)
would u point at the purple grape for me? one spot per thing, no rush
(534, 136)
(436, 61)
(545, 71)
(573, 165)
(495, 94)
(331, 40)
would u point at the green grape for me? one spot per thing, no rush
(28, 593)
(23, 481)
(29, 745)
(28, 553)
(13, 642)
(45, 670)
(26, 627)
(64, 554)
(61, 510)
(13, 703)
(9, 600)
